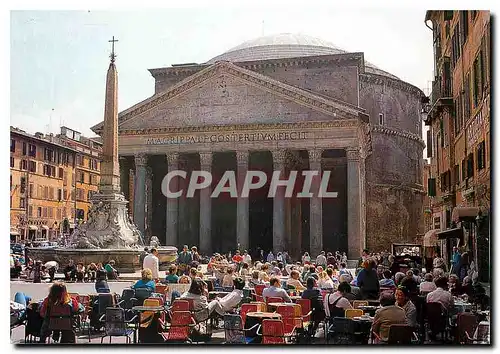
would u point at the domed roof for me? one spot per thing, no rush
(286, 45)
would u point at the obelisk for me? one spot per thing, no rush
(108, 225)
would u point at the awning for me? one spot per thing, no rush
(462, 213)
(451, 233)
(45, 227)
(430, 238)
(33, 227)
(14, 233)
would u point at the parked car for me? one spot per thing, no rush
(17, 248)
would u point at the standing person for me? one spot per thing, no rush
(142, 256)
(184, 259)
(331, 259)
(321, 260)
(101, 284)
(270, 257)
(151, 262)
(246, 258)
(306, 259)
(455, 261)
(364, 257)
(196, 256)
(368, 280)
(344, 257)
(261, 255)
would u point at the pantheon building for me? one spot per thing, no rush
(277, 103)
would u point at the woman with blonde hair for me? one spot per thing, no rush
(146, 280)
(324, 281)
(263, 276)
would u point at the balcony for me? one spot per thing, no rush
(441, 97)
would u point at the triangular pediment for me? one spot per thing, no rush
(227, 94)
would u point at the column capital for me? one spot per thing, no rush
(242, 157)
(206, 159)
(172, 157)
(352, 153)
(141, 160)
(315, 155)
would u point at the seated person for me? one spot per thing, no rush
(254, 280)
(172, 277)
(231, 300)
(112, 272)
(441, 294)
(387, 281)
(454, 285)
(263, 275)
(355, 293)
(324, 281)
(386, 316)
(275, 290)
(80, 272)
(70, 271)
(244, 270)
(146, 280)
(184, 279)
(335, 304)
(58, 295)
(227, 281)
(18, 308)
(410, 283)
(428, 284)
(101, 284)
(92, 272)
(196, 293)
(314, 295)
(294, 281)
(403, 300)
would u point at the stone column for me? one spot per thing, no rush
(172, 203)
(183, 232)
(206, 207)
(242, 216)
(279, 203)
(316, 205)
(148, 204)
(140, 192)
(353, 203)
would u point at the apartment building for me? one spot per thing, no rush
(458, 117)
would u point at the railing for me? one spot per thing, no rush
(441, 88)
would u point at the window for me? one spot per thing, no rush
(22, 203)
(89, 194)
(32, 166)
(381, 118)
(50, 212)
(51, 193)
(79, 160)
(464, 24)
(455, 46)
(59, 212)
(456, 174)
(467, 98)
(477, 93)
(31, 190)
(30, 211)
(23, 164)
(23, 185)
(12, 145)
(10, 182)
(65, 194)
(61, 172)
(11, 161)
(481, 156)
(80, 214)
(73, 179)
(39, 212)
(45, 212)
(59, 194)
(32, 150)
(82, 177)
(441, 129)
(470, 166)
(25, 149)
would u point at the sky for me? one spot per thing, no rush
(59, 59)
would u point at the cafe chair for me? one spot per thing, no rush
(116, 325)
(259, 298)
(401, 334)
(259, 288)
(146, 317)
(261, 306)
(245, 308)
(291, 316)
(466, 323)
(179, 305)
(141, 294)
(181, 326)
(234, 332)
(357, 303)
(351, 313)
(61, 319)
(160, 288)
(274, 299)
(273, 332)
(436, 320)
(340, 330)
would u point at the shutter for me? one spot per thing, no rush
(431, 187)
(429, 143)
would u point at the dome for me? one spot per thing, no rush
(286, 45)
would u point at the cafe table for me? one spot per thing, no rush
(253, 318)
(272, 306)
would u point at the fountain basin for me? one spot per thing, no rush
(126, 260)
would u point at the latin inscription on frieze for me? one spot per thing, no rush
(226, 138)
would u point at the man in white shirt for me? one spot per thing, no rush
(231, 300)
(151, 262)
(441, 295)
(246, 258)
